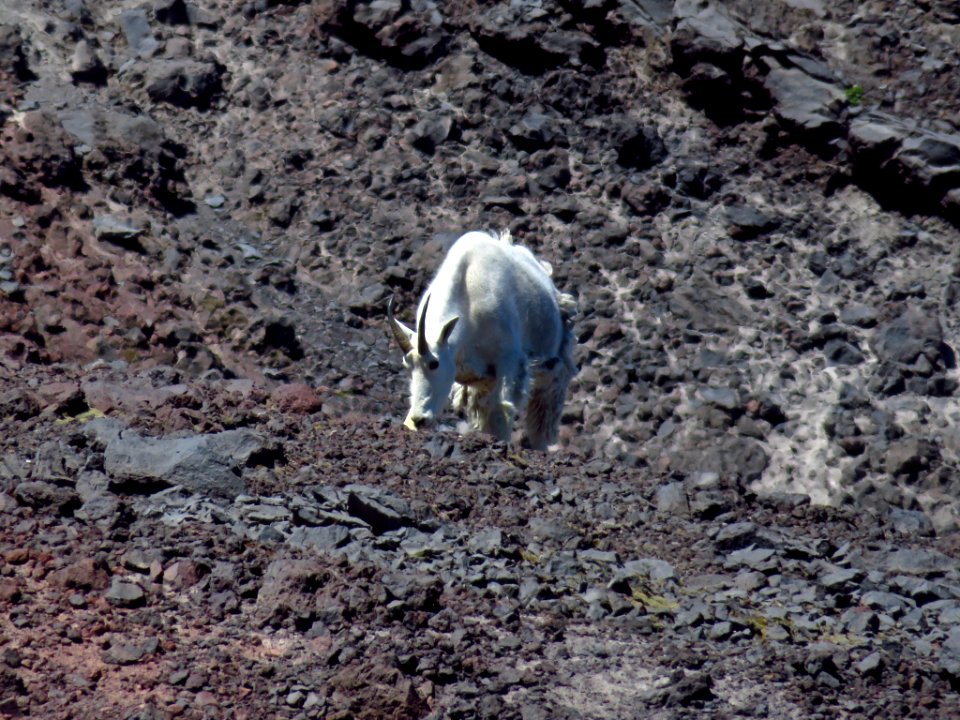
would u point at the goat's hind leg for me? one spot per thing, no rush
(513, 393)
(545, 407)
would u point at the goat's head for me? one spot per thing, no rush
(432, 370)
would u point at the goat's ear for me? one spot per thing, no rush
(447, 329)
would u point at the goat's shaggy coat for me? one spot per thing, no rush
(493, 334)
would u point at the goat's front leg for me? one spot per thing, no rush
(492, 417)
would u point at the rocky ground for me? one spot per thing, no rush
(209, 508)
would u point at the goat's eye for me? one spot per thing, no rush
(433, 364)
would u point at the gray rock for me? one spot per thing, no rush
(430, 132)
(872, 664)
(86, 65)
(840, 579)
(911, 523)
(487, 541)
(39, 494)
(577, 47)
(931, 152)
(210, 463)
(949, 660)
(891, 604)
(776, 632)
(551, 530)
(919, 590)
(638, 146)
(415, 590)
(761, 559)
(604, 557)
(907, 459)
(803, 102)
(950, 615)
(906, 338)
(266, 513)
(750, 580)
(136, 29)
(704, 33)
(535, 131)
(923, 163)
(129, 653)
(860, 621)
(915, 620)
(173, 12)
(184, 83)
(875, 136)
(125, 593)
(380, 510)
(695, 615)
(708, 307)
(841, 352)
(408, 40)
(738, 536)
(102, 509)
(720, 630)
(725, 398)
(859, 315)
(924, 563)
(327, 537)
(13, 53)
(650, 568)
(747, 222)
(672, 500)
(114, 230)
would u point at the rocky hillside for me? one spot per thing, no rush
(209, 508)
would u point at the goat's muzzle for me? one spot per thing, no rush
(417, 422)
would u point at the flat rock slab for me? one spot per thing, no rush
(210, 463)
(803, 101)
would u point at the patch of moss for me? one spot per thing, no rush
(530, 557)
(854, 95)
(85, 416)
(657, 604)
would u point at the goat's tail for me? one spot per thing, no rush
(568, 307)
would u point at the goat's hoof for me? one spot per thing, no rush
(410, 425)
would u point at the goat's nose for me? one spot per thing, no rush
(415, 422)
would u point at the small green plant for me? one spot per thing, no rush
(854, 95)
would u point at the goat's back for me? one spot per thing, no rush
(497, 287)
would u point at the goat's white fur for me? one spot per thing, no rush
(493, 334)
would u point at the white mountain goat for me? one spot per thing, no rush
(493, 334)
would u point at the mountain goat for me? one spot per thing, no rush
(493, 334)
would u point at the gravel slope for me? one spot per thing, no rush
(209, 506)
